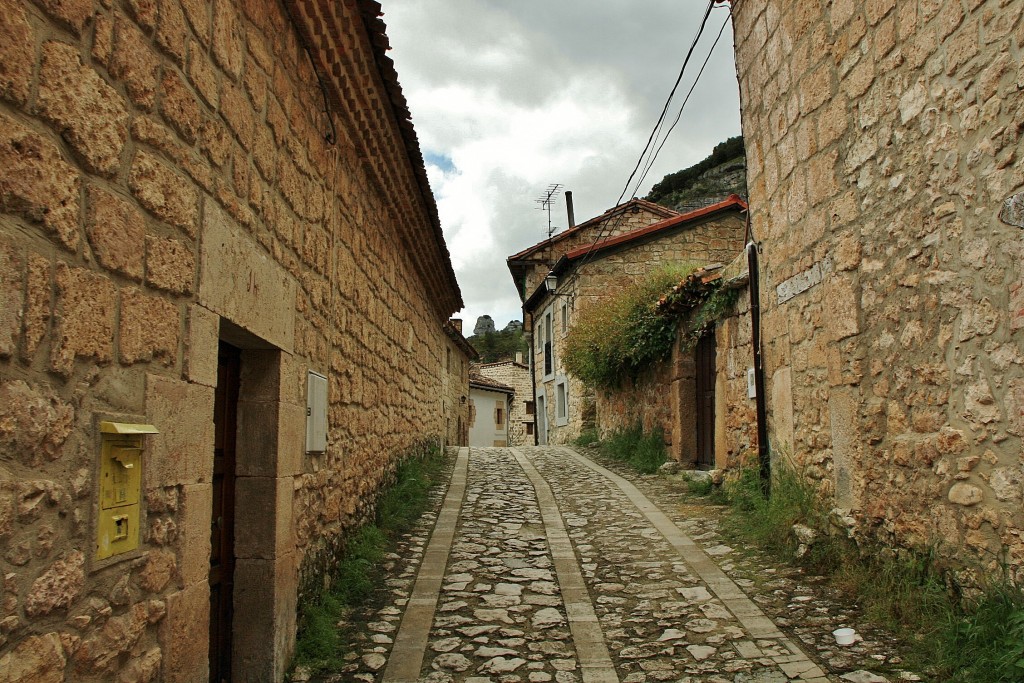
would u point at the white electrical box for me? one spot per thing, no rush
(316, 413)
(751, 384)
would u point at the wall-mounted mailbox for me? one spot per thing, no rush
(120, 473)
(316, 412)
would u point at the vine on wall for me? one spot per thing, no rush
(617, 337)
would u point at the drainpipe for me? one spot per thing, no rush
(533, 378)
(763, 453)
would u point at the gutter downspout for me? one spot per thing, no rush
(533, 379)
(763, 452)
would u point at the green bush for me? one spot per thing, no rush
(644, 452)
(617, 337)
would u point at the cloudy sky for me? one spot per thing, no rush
(510, 96)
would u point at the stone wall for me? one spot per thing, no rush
(883, 141)
(165, 185)
(517, 376)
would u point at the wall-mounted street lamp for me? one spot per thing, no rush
(551, 282)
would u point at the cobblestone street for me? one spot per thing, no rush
(538, 564)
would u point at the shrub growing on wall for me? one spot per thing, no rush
(617, 336)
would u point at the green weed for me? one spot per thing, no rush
(976, 640)
(587, 437)
(644, 452)
(323, 631)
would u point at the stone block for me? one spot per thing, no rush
(228, 39)
(272, 438)
(842, 300)
(239, 281)
(36, 659)
(82, 107)
(171, 30)
(37, 303)
(263, 525)
(85, 318)
(182, 453)
(170, 265)
(201, 351)
(160, 567)
(150, 328)
(265, 600)
(100, 655)
(183, 634)
(58, 587)
(15, 53)
(203, 76)
(169, 196)
(115, 229)
(72, 13)
(135, 63)
(12, 298)
(179, 107)
(194, 534)
(36, 183)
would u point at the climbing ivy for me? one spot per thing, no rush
(617, 337)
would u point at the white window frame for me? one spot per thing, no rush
(547, 338)
(561, 401)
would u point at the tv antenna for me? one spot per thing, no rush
(547, 199)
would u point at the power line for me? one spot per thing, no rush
(679, 114)
(655, 132)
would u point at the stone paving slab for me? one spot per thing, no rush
(546, 566)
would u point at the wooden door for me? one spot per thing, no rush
(222, 528)
(705, 361)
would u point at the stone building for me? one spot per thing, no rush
(599, 260)
(193, 254)
(459, 355)
(515, 374)
(883, 148)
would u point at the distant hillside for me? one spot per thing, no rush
(713, 179)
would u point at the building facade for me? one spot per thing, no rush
(194, 256)
(590, 272)
(515, 374)
(883, 143)
(489, 403)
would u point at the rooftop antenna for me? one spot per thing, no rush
(547, 199)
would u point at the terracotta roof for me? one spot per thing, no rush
(733, 201)
(621, 208)
(504, 362)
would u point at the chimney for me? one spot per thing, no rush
(457, 324)
(568, 208)
(519, 357)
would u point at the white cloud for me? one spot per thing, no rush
(510, 97)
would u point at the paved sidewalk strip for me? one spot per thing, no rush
(410, 646)
(795, 665)
(594, 660)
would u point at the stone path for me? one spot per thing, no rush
(542, 565)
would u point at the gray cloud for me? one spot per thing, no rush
(522, 94)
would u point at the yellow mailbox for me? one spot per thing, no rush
(119, 518)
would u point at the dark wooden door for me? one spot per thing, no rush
(222, 528)
(705, 361)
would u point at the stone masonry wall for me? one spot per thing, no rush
(164, 181)
(883, 141)
(517, 376)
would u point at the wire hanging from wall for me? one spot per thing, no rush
(331, 136)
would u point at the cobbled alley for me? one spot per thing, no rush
(539, 564)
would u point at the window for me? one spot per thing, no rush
(449, 350)
(549, 356)
(565, 319)
(561, 402)
(499, 417)
(529, 428)
(529, 407)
